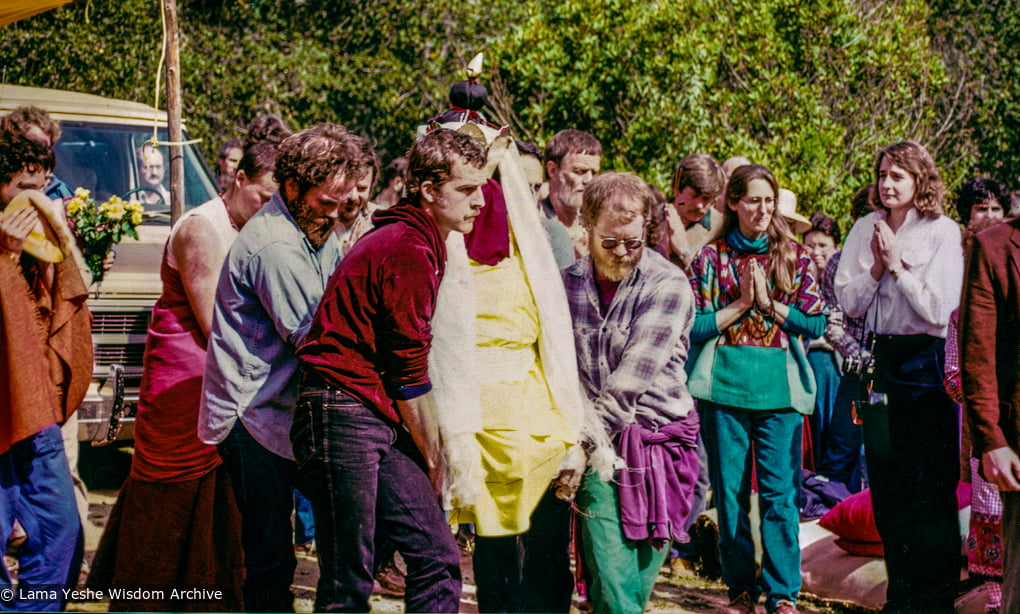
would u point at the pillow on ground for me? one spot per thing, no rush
(853, 520)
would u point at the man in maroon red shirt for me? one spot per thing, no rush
(357, 434)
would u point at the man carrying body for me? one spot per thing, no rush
(572, 159)
(632, 315)
(692, 222)
(178, 504)
(358, 434)
(990, 357)
(272, 280)
(45, 370)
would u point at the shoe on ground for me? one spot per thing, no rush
(391, 582)
(743, 604)
(785, 607)
(682, 568)
(306, 550)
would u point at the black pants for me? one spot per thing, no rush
(264, 487)
(528, 572)
(912, 445)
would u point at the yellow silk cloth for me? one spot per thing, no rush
(524, 436)
(15, 10)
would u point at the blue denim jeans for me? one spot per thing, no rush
(729, 433)
(365, 480)
(36, 489)
(304, 520)
(264, 487)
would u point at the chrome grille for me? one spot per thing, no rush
(120, 323)
(127, 355)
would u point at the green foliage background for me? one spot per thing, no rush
(810, 88)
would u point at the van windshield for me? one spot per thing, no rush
(109, 160)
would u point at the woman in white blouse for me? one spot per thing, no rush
(902, 269)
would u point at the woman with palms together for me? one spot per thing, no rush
(756, 296)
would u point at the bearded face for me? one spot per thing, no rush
(616, 246)
(315, 226)
(316, 210)
(568, 179)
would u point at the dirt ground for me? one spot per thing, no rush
(104, 470)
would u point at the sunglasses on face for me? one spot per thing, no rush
(631, 244)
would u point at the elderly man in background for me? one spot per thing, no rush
(572, 159)
(272, 280)
(151, 171)
(632, 314)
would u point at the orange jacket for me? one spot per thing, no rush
(30, 399)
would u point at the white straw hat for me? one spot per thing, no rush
(787, 206)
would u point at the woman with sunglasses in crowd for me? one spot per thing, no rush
(756, 297)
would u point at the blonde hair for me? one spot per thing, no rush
(607, 191)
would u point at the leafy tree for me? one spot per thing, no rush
(978, 42)
(810, 88)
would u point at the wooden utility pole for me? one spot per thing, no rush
(173, 111)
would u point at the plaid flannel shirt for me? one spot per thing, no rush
(631, 360)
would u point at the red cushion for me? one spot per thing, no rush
(861, 548)
(853, 520)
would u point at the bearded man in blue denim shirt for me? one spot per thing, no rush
(275, 274)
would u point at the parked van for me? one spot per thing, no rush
(98, 150)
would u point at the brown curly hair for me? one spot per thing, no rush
(22, 118)
(319, 155)
(915, 159)
(432, 158)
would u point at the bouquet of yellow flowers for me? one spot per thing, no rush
(98, 229)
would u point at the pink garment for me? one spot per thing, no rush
(167, 448)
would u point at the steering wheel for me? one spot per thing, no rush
(149, 214)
